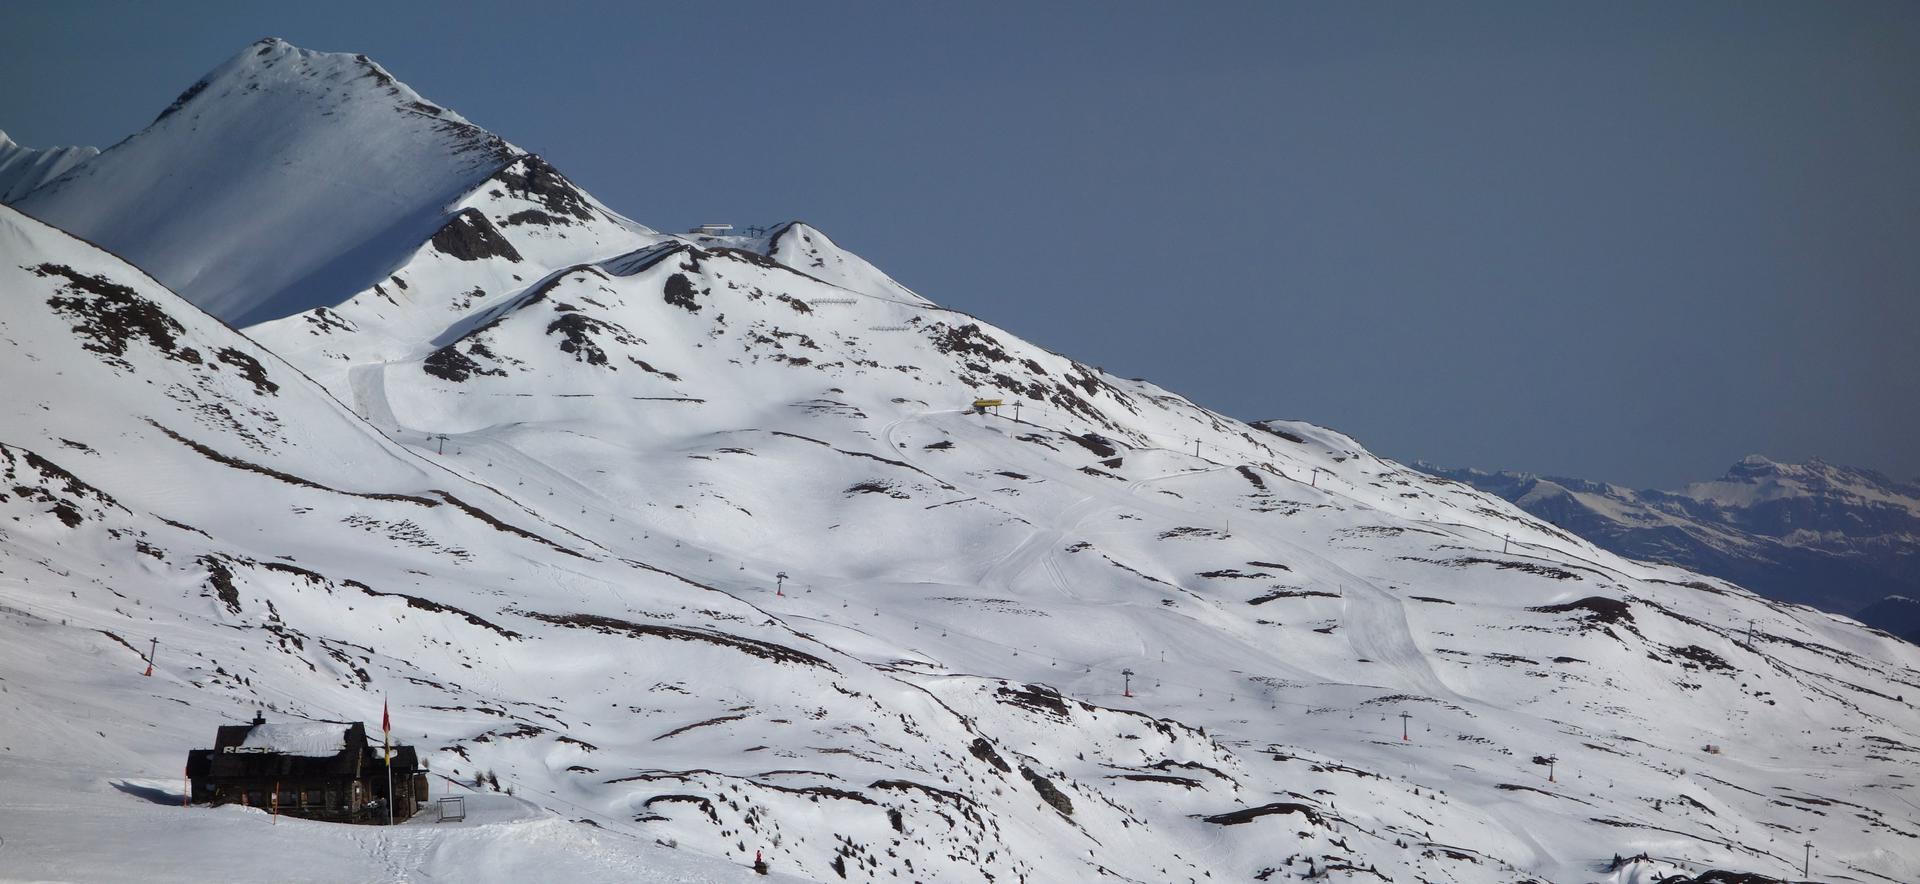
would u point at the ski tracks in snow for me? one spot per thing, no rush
(1038, 549)
(401, 850)
(1040, 546)
(1375, 620)
(1377, 629)
(369, 385)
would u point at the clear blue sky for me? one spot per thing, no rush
(1621, 241)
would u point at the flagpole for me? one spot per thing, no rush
(386, 744)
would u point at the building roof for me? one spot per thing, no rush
(312, 738)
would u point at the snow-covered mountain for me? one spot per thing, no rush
(1838, 538)
(695, 540)
(24, 168)
(279, 180)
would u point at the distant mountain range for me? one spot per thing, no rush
(1840, 538)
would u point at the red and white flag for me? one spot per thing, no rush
(386, 732)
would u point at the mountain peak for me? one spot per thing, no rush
(1760, 468)
(273, 64)
(23, 169)
(804, 247)
(284, 179)
(1814, 472)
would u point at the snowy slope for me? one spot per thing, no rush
(733, 569)
(1839, 538)
(991, 530)
(23, 168)
(500, 635)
